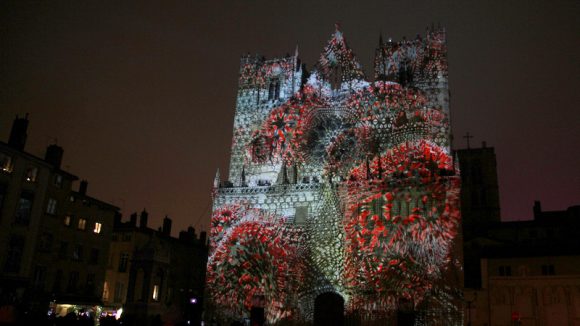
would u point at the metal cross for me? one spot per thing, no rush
(467, 136)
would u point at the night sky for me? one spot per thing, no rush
(141, 95)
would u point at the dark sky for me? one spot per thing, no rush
(141, 95)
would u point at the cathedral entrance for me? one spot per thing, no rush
(329, 309)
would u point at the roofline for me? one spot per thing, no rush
(38, 160)
(95, 200)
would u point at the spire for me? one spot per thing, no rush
(295, 173)
(337, 56)
(456, 164)
(283, 175)
(296, 61)
(243, 177)
(381, 39)
(216, 180)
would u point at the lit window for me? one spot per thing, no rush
(82, 224)
(5, 163)
(97, 228)
(156, 292)
(31, 174)
(67, 220)
(51, 207)
(106, 291)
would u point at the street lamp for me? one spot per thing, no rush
(469, 302)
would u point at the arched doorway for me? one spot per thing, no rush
(329, 309)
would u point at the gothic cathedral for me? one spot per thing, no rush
(341, 190)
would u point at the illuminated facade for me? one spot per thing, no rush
(340, 185)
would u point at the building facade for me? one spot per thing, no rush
(529, 271)
(480, 207)
(342, 199)
(154, 276)
(54, 241)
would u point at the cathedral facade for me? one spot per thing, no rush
(340, 188)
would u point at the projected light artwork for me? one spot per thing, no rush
(340, 185)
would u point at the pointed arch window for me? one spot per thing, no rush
(274, 89)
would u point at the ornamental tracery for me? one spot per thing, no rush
(347, 185)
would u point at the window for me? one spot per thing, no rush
(57, 180)
(274, 90)
(45, 242)
(97, 228)
(77, 253)
(90, 284)
(548, 270)
(5, 163)
(82, 225)
(123, 260)
(63, 250)
(94, 259)
(24, 207)
(14, 254)
(31, 174)
(73, 280)
(505, 271)
(39, 277)
(51, 207)
(119, 291)
(57, 281)
(155, 292)
(67, 220)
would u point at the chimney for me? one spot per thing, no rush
(83, 187)
(537, 209)
(143, 219)
(483, 144)
(117, 221)
(133, 220)
(188, 235)
(54, 155)
(166, 226)
(202, 237)
(18, 133)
